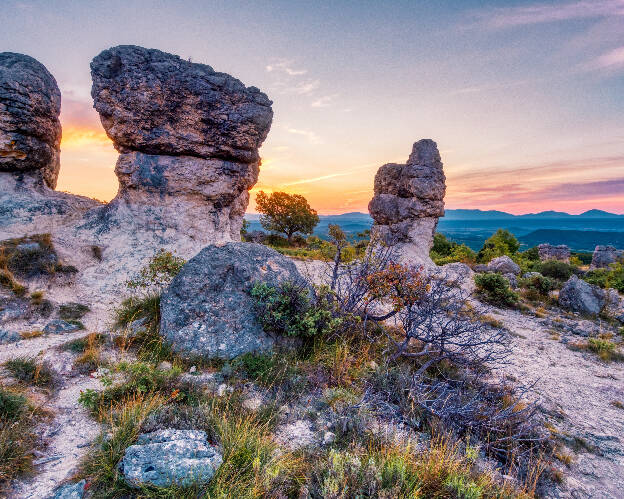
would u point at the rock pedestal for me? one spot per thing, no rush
(188, 138)
(30, 130)
(408, 200)
(604, 256)
(549, 252)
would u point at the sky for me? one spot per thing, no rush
(525, 99)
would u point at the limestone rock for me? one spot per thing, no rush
(580, 296)
(30, 130)
(158, 103)
(512, 280)
(167, 457)
(207, 310)
(604, 256)
(549, 252)
(504, 265)
(70, 491)
(58, 326)
(408, 200)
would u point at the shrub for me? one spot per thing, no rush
(444, 251)
(537, 286)
(554, 269)
(495, 289)
(613, 277)
(12, 405)
(158, 272)
(29, 371)
(289, 309)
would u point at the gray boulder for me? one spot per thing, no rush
(9, 336)
(503, 265)
(167, 457)
(604, 256)
(580, 296)
(70, 491)
(550, 252)
(30, 130)
(208, 310)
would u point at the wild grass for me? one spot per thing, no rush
(31, 372)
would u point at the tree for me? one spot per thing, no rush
(502, 242)
(286, 213)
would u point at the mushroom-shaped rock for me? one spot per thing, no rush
(158, 103)
(604, 256)
(30, 130)
(550, 252)
(408, 200)
(208, 309)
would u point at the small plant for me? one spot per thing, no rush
(613, 277)
(289, 309)
(12, 405)
(158, 272)
(495, 289)
(559, 271)
(36, 297)
(29, 371)
(537, 286)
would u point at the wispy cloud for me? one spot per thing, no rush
(350, 171)
(611, 60)
(312, 137)
(305, 87)
(284, 66)
(324, 101)
(538, 13)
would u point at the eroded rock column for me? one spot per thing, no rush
(188, 139)
(408, 200)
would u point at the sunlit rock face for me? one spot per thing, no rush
(188, 138)
(408, 200)
(30, 131)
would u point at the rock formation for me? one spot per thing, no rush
(408, 200)
(30, 130)
(188, 138)
(30, 137)
(580, 296)
(208, 310)
(503, 265)
(604, 256)
(550, 252)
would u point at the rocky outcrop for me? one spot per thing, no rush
(580, 296)
(188, 138)
(170, 457)
(408, 200)
(30, 137)
(503, 265)
(604, 256)
(549, 252)
(208, 310)
(30, 130)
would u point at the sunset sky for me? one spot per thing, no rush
(525, 99)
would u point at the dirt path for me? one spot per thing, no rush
(70, 432)
(584, 389)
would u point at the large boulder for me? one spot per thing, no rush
(208, 310)
(504, 265)
(604, 256)
(580, 296)
(550, 252)
(408, 200)
(170, 457)
(30, 130)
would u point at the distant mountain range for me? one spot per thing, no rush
(472, 227)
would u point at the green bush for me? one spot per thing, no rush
(158, 272)
(12, 405)
(495, 289)
(289, 309)
(537, 286)
(613, 277)
(30, 371)
(557, 270)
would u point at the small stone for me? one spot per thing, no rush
(70, 491)
(329, 437)
(253, 403)
(295, 435)
(193, 369)
(167, 457)
(59, 326)
(9, 336)
(165, 365)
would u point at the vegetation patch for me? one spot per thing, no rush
(30, 371)
(494, 289)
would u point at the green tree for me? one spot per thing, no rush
(502, 242)
(286, 213)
